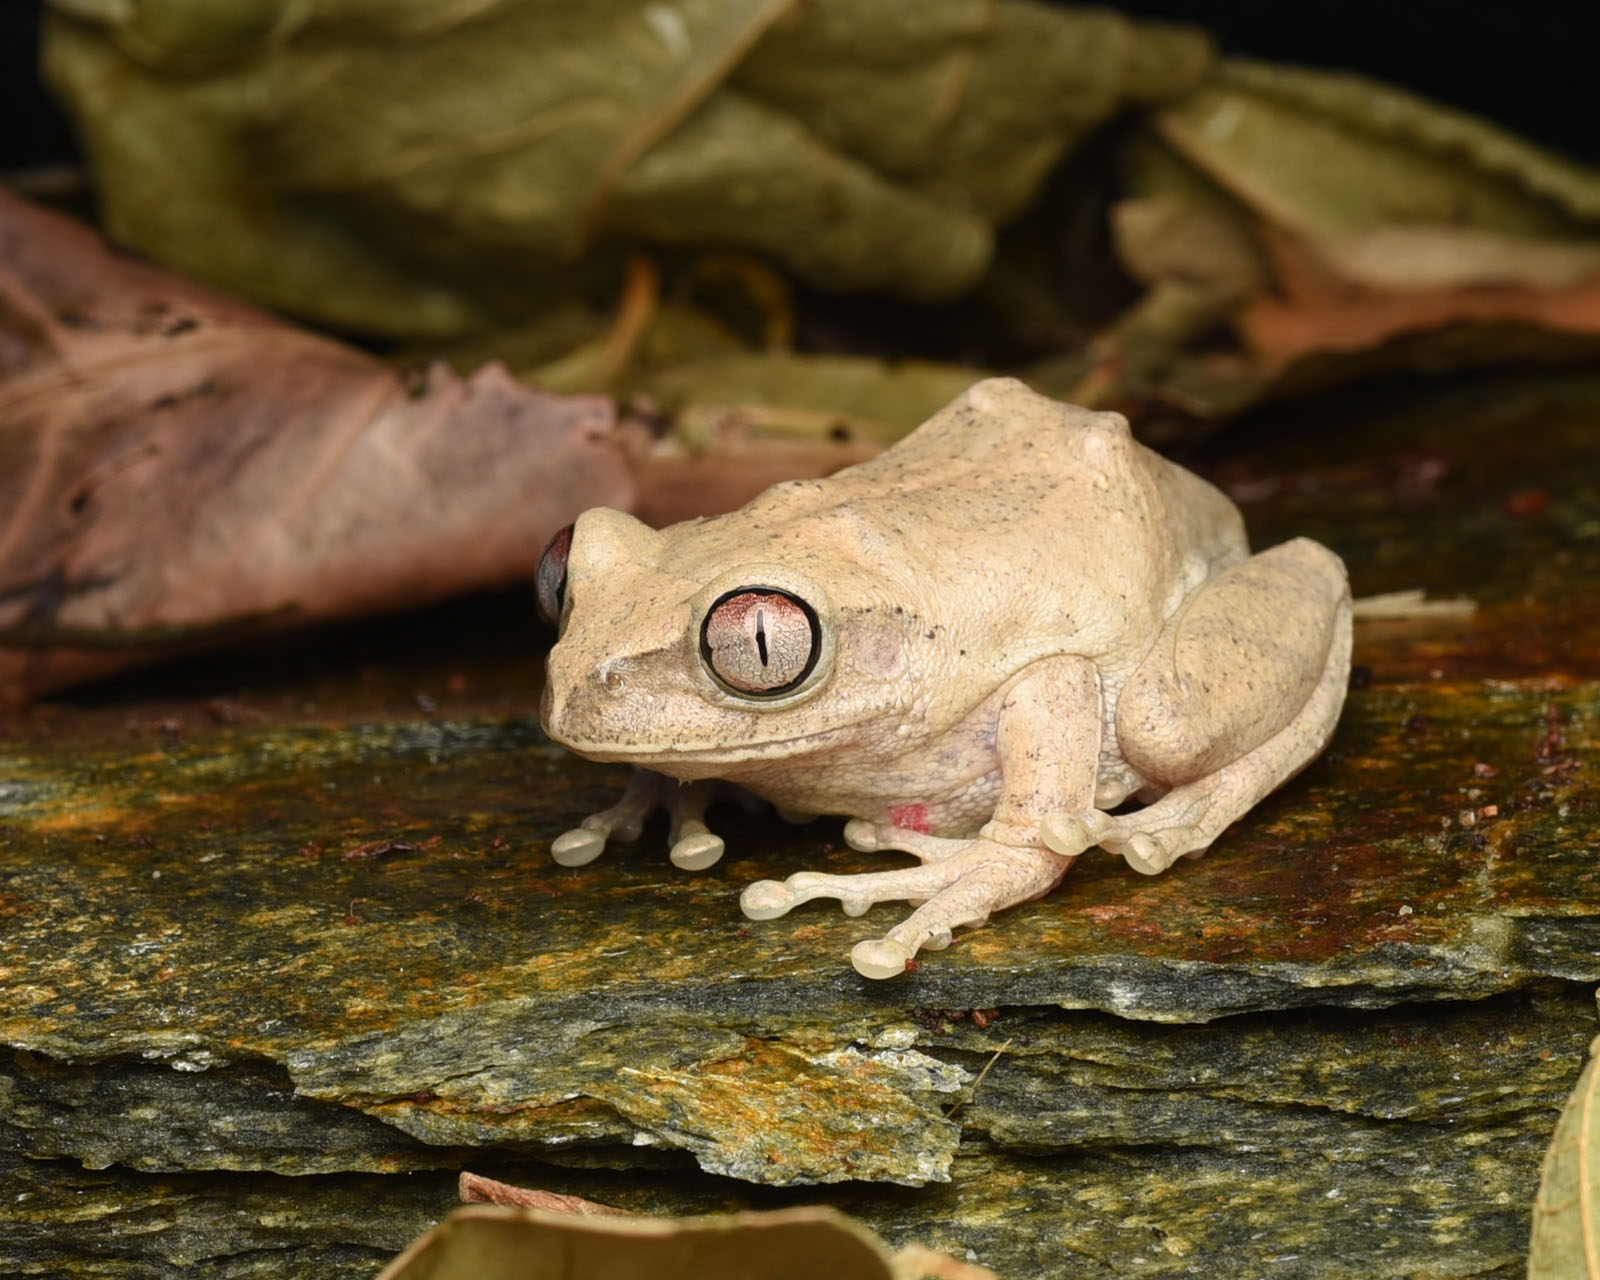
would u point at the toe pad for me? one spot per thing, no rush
(883, 958)
(765, 900)
(697, 852)
(578, 847)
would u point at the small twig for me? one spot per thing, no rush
(987, 1067)
(1405, 605)
(47, 181)
(376, 849)
(597, 362)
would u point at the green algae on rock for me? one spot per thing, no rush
(192, 905)
(1417, 1201)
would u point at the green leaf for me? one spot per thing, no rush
(432, 169)
(870, 399)
(1328, 155)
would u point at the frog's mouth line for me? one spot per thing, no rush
(724, 753)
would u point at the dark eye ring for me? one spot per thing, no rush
(760, 642)
(550, 583)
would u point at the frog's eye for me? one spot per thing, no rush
(550, 584)
(760, 641)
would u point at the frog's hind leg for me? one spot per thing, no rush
(1240, 707)
(963, 888)
(1186, 820)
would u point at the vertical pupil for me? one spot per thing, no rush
(737, 649)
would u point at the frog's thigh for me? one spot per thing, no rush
(1244, 657)
(1189, 817)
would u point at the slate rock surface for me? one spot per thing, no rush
(283, 948)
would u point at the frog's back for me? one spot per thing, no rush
(1005, 458)
(1047, 522)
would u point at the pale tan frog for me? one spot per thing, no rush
(975, 644)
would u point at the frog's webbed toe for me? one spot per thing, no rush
(871, 837)
(694, 846)
(585, 842)
(1150, 839)
(1154, 847)
(582, 844)
(963, 888)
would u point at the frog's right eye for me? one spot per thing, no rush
(550, 584)
(760, 641)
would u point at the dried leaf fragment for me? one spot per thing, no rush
(1566, 1213)
(177, 468)
(1339, 227)
(476, 1189)
(497, 1242)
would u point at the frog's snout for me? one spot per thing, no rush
(547, 702)
(583, 705)
(556, 704)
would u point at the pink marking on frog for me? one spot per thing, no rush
(912, 817)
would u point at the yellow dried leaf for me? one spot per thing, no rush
(1566, 1214)
(493, 1242)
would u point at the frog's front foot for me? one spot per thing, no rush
(694, 847)
(954, 889)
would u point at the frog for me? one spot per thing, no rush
(1014, 636)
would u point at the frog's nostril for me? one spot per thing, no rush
(610, 678)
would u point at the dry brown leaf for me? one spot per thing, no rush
(495, 1242)
(1319, 308)
(511, 1231)
(1340, 228)
(476, 1189)
(176, 467)
(731, 466)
